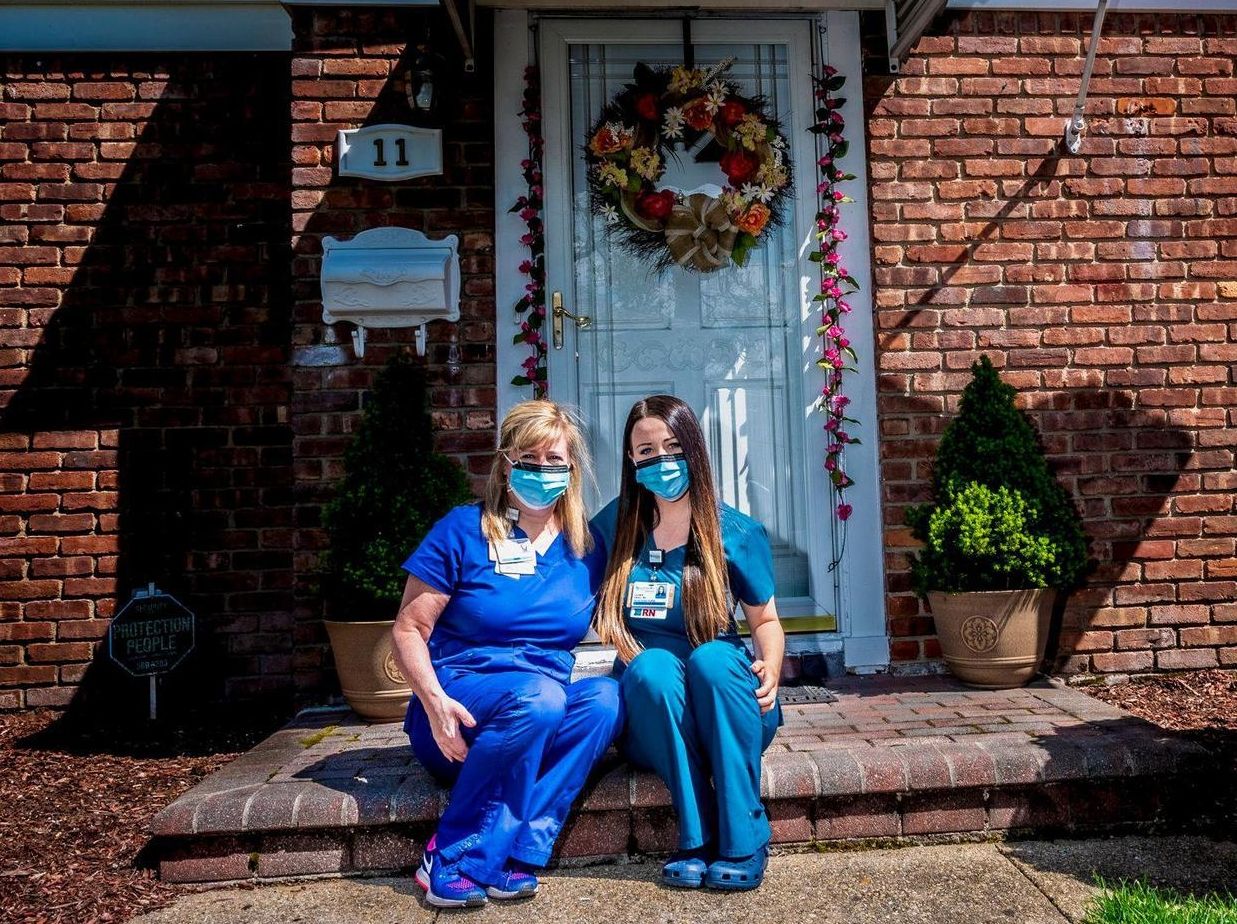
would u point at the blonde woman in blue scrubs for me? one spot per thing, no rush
(700, 709)
(498, 595)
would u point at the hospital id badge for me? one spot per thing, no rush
(513, 557)
(650, 594)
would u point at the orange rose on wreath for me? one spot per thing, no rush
(697, 115)
(753, 220)
(609, 139)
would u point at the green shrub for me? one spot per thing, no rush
(999, 520)
(393, 490)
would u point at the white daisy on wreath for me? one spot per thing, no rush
(760, 193)
(610, 214)
(717, 96)
(672, 123)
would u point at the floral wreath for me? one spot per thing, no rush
(662, 109)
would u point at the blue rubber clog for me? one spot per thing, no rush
(737, 875)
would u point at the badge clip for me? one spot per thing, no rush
(655, 558)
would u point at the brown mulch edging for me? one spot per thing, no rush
(1200, 703)
(74, 806)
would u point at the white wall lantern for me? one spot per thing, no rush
(390, 277)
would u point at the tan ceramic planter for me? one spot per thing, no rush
(371, 680)
(993, 639)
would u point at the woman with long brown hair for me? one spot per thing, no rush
(701, 709)
(498, 595)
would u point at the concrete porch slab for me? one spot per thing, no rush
(893, 759)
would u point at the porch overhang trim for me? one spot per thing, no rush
(109, 25)
(905, 22)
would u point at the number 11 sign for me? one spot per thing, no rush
(389, 152)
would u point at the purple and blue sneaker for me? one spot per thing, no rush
(513, 883)
(445, 886)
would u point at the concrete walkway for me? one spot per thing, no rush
(1030, 882)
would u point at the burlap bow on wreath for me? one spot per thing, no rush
(699, 233)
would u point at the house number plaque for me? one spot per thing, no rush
(389, 152)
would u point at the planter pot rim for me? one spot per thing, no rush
(983, 593)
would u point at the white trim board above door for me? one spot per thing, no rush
(855, 591)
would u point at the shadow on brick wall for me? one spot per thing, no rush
(1123, 464)
(349, 68)
(170, 348)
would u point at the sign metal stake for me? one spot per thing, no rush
(154, 706)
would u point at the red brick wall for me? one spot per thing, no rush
(175, 410)
(144, 380)
(1104, 287)
(348, 71)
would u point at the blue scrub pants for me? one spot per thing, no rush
(529, 756)
(695, 719)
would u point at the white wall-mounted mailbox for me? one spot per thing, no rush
(390, 277)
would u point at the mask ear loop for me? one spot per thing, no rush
(513, 513)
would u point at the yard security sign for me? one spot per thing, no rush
(151, 635)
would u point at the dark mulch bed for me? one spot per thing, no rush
(1201, 703)
(75, 802)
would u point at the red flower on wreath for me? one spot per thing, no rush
(739, 166)
(697, 115)
(731, 113)
(647, 108)
(655, 206)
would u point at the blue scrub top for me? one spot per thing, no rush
(749, 563)
(494, 622)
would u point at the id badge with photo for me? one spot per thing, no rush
(651, 594)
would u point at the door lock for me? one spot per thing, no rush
(558, 312)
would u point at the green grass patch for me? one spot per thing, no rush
(1139, 903)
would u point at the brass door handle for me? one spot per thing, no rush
(558, 312)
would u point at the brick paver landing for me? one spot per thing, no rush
(893, 758)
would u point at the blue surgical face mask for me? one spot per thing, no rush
(538, 486)
(665, 476)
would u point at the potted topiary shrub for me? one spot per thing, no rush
(393, 489)
(1001, 537)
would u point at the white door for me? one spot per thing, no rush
(738, 344)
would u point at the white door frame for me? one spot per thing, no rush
(859, 592)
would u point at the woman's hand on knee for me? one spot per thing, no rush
(766, 693)
(446, 716)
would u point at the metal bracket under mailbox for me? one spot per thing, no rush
(358, 341)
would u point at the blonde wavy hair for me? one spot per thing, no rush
(528, 426)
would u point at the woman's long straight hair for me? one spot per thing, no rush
(705, 610)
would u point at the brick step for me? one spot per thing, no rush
(329, 795)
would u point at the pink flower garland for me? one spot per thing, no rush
(530, 309)
(835, 283)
